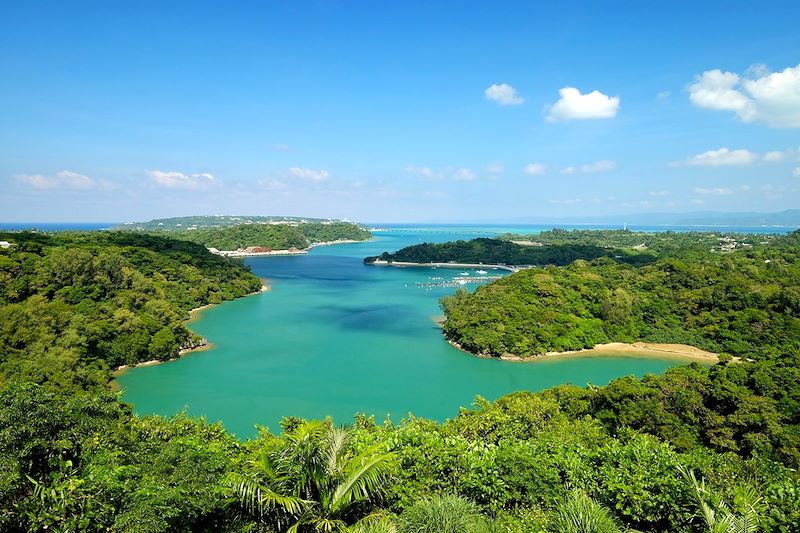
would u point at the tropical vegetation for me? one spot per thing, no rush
(694, 449)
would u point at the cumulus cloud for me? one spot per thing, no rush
(503, 94)
(758, 96)
(603, 165)
(457, 174)
(65, 179)
(179, 180)
(718, 191)
(659, 194)
(576, 106)
(776, 156)
(569, 170)
(796, 172)
(309, 174)
(535, 169)
(721, 157)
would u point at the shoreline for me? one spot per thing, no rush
(401, 264)
(682, 352)
(291, 251)
(204, 345)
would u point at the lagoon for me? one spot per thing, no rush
(334, 337)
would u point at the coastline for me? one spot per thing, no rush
(204, 345)
(291, 251)
(682, 352)
(401, 264)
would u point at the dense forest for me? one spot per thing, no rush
(746, 303)
(272, 236)
(695, 449)
(661, 243)
(74, 305)
(646, 454)
(503, 252)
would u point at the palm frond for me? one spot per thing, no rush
(259, 499)
(364, 476)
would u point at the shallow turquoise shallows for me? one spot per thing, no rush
(335, 337)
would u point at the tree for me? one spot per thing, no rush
(312, 478)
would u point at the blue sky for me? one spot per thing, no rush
(415, 111)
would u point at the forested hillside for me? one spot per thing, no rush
(496, 251)
(235, 233)
(274, 236)
(746, 304)
(74, 305)
(644, 453)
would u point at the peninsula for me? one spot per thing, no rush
(742, 301)
(255, 236)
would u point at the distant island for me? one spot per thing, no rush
(237, 236)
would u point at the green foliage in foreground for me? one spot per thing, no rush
(74, 305)
(273, 236)
(496, 251)
(567, 459)
(746, 304)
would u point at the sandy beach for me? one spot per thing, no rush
(682, 352)
(293, 251)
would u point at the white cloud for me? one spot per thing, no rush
(179, 180)
(280, 147)
(721, 157)
(697, 201)
(718, 191)
(503, 94)
(535, 169)
(659, 194)
(463, 174)
(65, 179)
(309, 174)
(576, 106)
(759, 96)
(424, 172)
(663, 95)
(569, 170)
(796, 172)
(603, 165)
(774, 156)
(457, 174)
(495, 168)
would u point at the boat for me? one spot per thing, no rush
(463, 273)
(482, 272)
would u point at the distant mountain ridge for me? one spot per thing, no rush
(787, 218)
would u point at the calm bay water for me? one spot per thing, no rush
(336, 337)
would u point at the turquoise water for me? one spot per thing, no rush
(336, 337)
